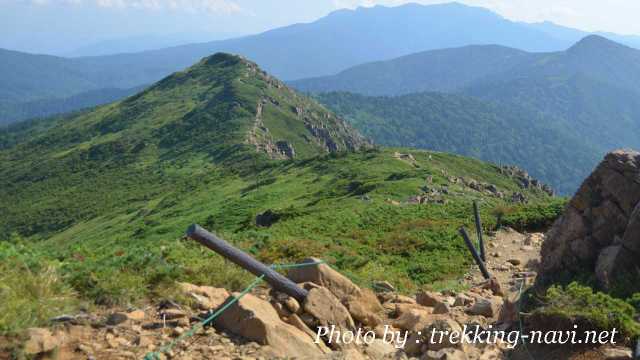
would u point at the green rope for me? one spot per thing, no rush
(289, 266)
(156, 355)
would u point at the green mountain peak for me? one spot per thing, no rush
(224, 108)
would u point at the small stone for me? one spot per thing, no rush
(514, 262)
(63, 318)
(116, 319)
(178, 331)
(489, 308)
(40, 341)
(383, 286)
(171, 314)
(462, 300)
(429, 298)
(617, 353)
(292, 304)
(136, 315)
(441, 308)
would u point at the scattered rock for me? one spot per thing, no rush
(444, 354)
(489, 308)
(136, 315)
(327, 310)
(256, 320)
(462, 300)
(267, 218)
(415, 319)
(617, 353)
(172, 314)
(441, 308)
(206, 297)
(379, 349)
(383, 286)
(292, 304)
(40, 341)
(116, 319)
(361, 303)
(364, 307)
(514, 262)
(323, 275)
(429, 298)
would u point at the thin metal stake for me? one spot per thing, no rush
(476, 214)
(474, 253)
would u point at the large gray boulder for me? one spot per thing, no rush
(599, 232)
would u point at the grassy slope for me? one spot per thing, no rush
(94, 205)
(133, 248)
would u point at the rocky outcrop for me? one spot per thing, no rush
(599, 231)
(325, 131)
(255, 319)
(260, 137)
(525, 180)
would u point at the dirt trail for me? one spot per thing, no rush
(512, 258)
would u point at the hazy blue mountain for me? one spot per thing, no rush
(12, 112)
(340, 40)
(458, 68)
(573, 35)
(435, 70)
(333, 43)
(133, 44)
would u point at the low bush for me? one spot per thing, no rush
(581, 304)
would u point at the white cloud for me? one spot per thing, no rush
(211, 6)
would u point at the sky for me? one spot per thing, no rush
(64, 27)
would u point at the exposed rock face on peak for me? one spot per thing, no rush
(525, 180)
(600, 229)
(285, 124)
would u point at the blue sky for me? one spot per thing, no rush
(61, 26)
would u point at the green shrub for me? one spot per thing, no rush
(581, 304)
(531, 217)
(29, 298)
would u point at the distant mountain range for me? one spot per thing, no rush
(342, 39)
(11, 112)
(589, 93)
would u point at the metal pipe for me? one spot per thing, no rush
(474, 253)
(476, 214)
(247, 262)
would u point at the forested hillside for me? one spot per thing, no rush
(471, 127)
(587, 98)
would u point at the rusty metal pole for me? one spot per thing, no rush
(476, 214)
(474, 253)
(244, 260)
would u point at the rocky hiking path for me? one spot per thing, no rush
(265, 324)
(513, 259)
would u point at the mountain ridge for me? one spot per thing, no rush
(589, 91)
(358, 36)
